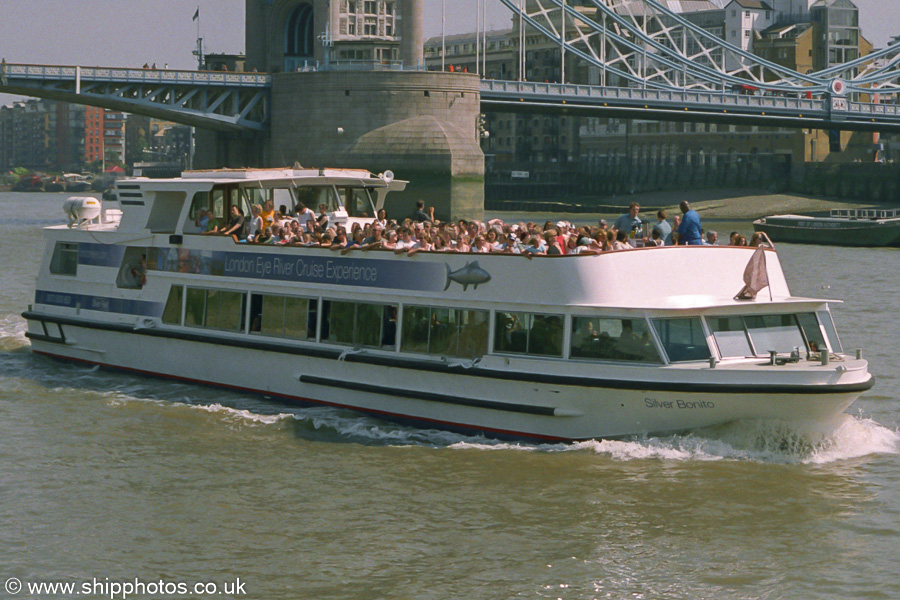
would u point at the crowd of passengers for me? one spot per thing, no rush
(422, 232)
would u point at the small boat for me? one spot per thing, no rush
(869, 227)
(77, 183)
(571, 347)
(54, 184)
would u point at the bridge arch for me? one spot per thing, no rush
(299, 36)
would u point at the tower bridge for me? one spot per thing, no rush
(311, 103)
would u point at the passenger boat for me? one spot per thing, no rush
(843, 227)
(554, 348)
(76, 182)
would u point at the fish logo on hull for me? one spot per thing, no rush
(471, 274)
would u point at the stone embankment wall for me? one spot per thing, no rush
(581, 186)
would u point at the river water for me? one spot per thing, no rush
(107, 478)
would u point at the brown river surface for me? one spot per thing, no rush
(108, 478)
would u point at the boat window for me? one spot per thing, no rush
(445, 331)
(357, 201)
(217, 202)
(314, 196)
(133, 270)
(200, 200)
(360, 324)
(195, 307)
(612, 339)
(815, 341)
(164, 211)
(682, 339)
(284, 316)
(730, 335)
(256, 195)
(527, 333)
(225, 310)
(279, 197)
(774, 332)
(215, 309)
(830, 331)
(172, 312)
(65, 259)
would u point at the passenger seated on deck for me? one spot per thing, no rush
(235, 224)
(621, 242)
(655, 239)
(629, 345)
(355, 243)
(202, 220)
(264, 237)
(376, 240)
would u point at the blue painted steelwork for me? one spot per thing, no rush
(209, 99)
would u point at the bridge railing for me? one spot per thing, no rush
(687, 98)
(565, 91)
(154, 76)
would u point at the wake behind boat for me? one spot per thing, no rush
(569, 347)
(843, 227)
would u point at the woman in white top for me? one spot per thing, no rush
(256, 223)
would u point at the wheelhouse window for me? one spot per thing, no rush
(774, 332)
(65, 259)
(682, 339)
(599, 338)
(757, 335)
(730, 336)
(527, 333)
(445, 331)
(830, 331)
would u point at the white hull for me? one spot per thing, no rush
(496, 407)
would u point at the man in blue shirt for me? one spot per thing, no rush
(689, 228)
(631, 222)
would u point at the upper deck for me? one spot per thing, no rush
(158, 223)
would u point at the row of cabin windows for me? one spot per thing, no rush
(463, 333)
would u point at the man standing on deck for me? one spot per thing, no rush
(420, 216)
(630, 223)
(304, 215)
(665, 230)
(689, 228)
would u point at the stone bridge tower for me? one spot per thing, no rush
(350, 90)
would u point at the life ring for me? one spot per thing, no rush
(134, 274)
